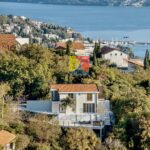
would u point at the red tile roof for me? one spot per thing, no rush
(60, 45)
(75, 45)
(6, 137)
(7, 41)
(74, 87)
(78, 46)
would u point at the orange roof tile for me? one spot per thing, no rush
(7, 41)
(61, 44)
(75, 87)
(6, 137)
(75, 45)
(78, 46)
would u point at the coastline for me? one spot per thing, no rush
(75, 4)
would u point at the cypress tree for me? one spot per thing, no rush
(146, 60)
(68, 49)
(95, 48)
(94, 59)
(99, 47)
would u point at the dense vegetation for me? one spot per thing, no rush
(26, 73)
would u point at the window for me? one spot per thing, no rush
(121, 54)
(89, 97)
(115, 54)
(55, 96)
(11, 145)
(89, 108)
(70, 95)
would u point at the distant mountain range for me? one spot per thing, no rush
(135, 3)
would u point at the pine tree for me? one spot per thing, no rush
(146, 60)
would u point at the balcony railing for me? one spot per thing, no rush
(84, 119)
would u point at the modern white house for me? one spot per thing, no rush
(84, 95)
(84, 106)
(115, 56)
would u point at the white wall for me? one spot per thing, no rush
(62, 95)
(80, 98)
(116, 57)
(22, 41)
(55, 107)
(35, 105)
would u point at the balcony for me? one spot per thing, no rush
(95, 121)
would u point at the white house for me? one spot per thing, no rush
(22, 41)
(27, 29)
(54, 36)
(89, 47)
(88, 107)
(85, 96)
(115, 56)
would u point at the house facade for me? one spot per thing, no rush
(115, 56)
(89, 104)
(84, 95)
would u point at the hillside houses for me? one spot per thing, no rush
(9, 41)
(37, 32)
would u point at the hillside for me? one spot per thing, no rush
(136, 3)
(38, 32)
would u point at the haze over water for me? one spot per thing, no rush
(93, 21)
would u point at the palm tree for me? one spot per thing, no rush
(68, 101)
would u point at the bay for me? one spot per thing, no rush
(97, 22)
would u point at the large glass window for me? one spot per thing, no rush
(89, 108)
